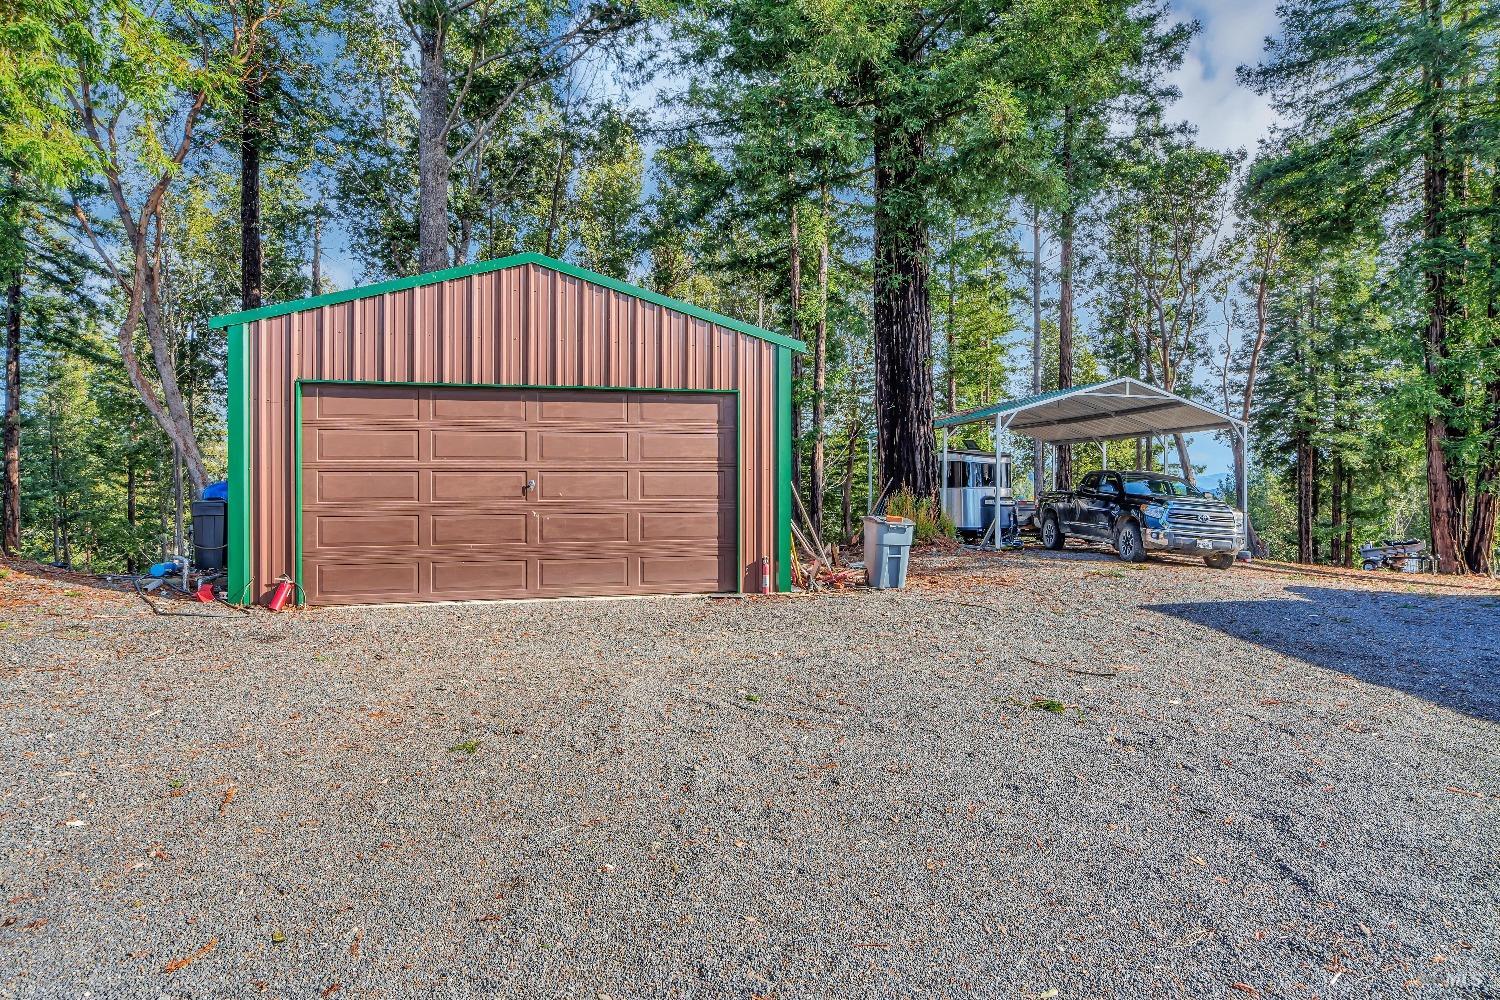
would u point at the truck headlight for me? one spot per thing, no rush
(1154, 512)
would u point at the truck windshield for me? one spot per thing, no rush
(1160, 487)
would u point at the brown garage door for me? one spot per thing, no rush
(458, 493)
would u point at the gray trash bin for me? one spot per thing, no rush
(887, 545)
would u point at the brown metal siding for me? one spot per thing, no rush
(522, 326)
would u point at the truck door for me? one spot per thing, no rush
(1106, 506)
(1078, 516)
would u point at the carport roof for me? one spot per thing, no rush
(1114, 409)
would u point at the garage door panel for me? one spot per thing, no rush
(584, 485)
(494, 446)
(466, 404)
(686, 409)
(478, 529)
(458, 580)
(693, 446)
(349, 582)
(473, 485)
(672, 571)
(366, 530)
(685, 485)
(336, 445)
(563, 528)
(589, 408)
(583, 574)
(381, 402)
(334, 486)
(583, 446)
(634, 493)
(688, 526)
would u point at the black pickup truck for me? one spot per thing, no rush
(1141, 512)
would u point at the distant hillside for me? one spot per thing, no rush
(1216, 482)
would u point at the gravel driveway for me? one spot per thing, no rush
(1025, 776)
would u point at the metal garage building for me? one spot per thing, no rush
(514, 428)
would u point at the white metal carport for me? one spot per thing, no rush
(1117, 409)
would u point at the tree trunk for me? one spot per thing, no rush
(1304, 497)
(816, 483)
(903, 313)
(251, 280)
(171, 409)
(10, 536)
(433, 165)
(1336, 512)
(794, 301)
(1067, 224)
(555, 208)
(1348, 520)
(1184, 461)
(1038, 454)
(848, 488)
(317, 252)
(57, 488)
(950, 399)
(1479, 552)
(1443, 509)
(130, 511)
(1316, 464)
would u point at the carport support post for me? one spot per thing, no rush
(994, 532)
(1242, 485)
(943, 474)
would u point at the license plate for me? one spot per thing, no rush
(1204, 543)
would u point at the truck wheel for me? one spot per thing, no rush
(1219, 560)
(1052, 535)
(1370, 564)
(1128, 542)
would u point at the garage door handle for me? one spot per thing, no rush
(530, 485)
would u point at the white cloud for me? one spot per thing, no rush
(1227, 115)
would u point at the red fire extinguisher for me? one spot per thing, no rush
(765, 575)
(281, 594)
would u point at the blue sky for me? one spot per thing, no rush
(1227, 115)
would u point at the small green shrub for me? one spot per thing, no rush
(931, 521)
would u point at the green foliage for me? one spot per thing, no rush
(1393, 143)
(931, 521)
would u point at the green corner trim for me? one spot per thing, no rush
(299, 591)
(783, 471)
(238, 528)
(485, 267)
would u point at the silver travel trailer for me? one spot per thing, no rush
(970, 496)
(969, 491)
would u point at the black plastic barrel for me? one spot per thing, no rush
(210, 539)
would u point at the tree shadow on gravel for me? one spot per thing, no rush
(1444, 649)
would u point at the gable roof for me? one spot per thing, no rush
(1116, 408)
(485, 267)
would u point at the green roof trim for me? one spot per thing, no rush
(1005, 406)
(485, 267)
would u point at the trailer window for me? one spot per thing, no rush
(966, 472)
